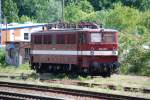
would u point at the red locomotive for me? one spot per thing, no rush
(89, 50)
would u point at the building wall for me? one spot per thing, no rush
(18, 50)
(12, 60)
(15, 37)
(17, 34)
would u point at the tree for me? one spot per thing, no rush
(42, 11)
(73, 13)
(81, 11)
(123, 18)
(10, 10)
(85, 6)
(138, 4)
(48, 11)
(103, 4)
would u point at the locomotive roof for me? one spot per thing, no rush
(55, 31)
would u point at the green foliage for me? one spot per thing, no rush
(146, 19)
(138, 4)
(50, 9)
(82, 11)
(24, 68)
(102, 4)
(137, 62)
(73, 13)
(85, 6)
(10, 10)
(123, 18)
(24, 19)
(2, 58)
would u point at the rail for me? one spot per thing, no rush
(19, 96)
(72, 92)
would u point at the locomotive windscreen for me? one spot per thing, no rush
(108, 37)
(96, 37)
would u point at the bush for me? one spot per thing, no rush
(137, 62)
(2, 57)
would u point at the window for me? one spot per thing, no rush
(60, 39)
(71, 38)
(26, 36)
(38, 39)
(47, 39)
(108, 37)
(96, 37)
(27, 52)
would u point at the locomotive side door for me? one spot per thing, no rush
(81, 43)
(80, 48)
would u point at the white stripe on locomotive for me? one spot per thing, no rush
(68, 52)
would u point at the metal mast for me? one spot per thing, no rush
(62, 10)
(0, 13)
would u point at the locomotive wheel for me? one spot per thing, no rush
(106, 72)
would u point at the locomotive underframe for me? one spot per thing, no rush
(83, 66)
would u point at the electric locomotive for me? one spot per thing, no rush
(85, 48)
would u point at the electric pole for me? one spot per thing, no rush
(62, 10)
(0, 13)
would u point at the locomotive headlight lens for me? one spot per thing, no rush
(114, 52)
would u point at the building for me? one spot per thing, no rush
(18, 32)
(16, 40)
(17, 53)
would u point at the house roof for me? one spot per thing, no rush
(28, 25)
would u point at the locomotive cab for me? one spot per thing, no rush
(99, 50)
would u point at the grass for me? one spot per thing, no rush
(118, 80)
(24, 68)
(123, 80)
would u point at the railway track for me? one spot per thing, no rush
(20, 96)
(113, 87)
(79, 83)
(72, 92)
(107, 86)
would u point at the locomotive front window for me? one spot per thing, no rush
(108, 37)
(96, 37)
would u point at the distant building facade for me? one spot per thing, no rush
(16, 40)
(17, 53)
(18, 32)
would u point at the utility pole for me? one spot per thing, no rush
(0, 12)
(62, 11)
(5, 19)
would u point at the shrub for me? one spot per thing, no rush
(2, 57)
